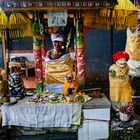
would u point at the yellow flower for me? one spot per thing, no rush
(79, 93)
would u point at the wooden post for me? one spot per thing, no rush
(4, 50)
(80, 52)
(111, 45)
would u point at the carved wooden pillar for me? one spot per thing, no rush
(39, 50)
(80, 52)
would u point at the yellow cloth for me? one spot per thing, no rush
(133, 46)
(120, 89)
(3, 87)
(3, 83)
(57, 69)
(67, 85)
(125, 4)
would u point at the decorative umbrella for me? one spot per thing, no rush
(125, 5)
(18, 24)
(127, 14)
(123, 15)
(3, 21)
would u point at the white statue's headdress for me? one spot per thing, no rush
(57, 37)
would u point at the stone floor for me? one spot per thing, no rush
(125, 130)
(118, 131)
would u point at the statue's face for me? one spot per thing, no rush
(121, 62)
(69, 78)
(57, 45)
(16, 77)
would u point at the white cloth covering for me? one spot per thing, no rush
(39, 115)
(134, 68)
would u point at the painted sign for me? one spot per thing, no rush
(57, 18)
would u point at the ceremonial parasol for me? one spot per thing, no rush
(19, 25)
(124, 14)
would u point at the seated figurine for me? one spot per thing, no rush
(58, 44)
(71, 84)
(15, 84)
(58, 63)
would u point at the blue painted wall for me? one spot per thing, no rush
(119, 41)
(25, 43)
(98, 54)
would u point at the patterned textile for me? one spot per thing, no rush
(15, 85)
(120, 89)
(41, 115)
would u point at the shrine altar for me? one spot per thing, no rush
(91, 118)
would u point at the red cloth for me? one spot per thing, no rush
(120, 54)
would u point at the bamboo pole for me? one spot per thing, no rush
(4, 50)
(111, 45)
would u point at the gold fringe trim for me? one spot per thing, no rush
(126, 5)
(18, 24)
(3, 21)
(105, 18)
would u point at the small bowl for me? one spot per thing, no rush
(29, 93)
(124, 117)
